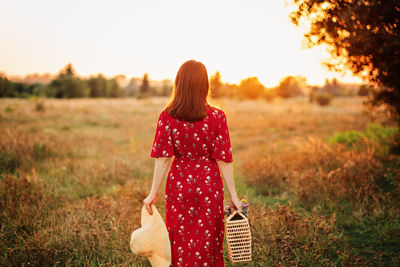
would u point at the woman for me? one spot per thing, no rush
(196, 135)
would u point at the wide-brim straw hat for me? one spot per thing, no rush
(152, 240)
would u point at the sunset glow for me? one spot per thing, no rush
(238, 38)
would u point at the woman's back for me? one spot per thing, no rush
(205, 139)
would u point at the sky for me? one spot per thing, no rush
(237, 37)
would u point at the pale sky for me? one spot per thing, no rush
(240, 38)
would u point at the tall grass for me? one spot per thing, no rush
(360, 188)
(72, 179)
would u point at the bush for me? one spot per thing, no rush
(374, 132)
(8, 163)
(323, 99)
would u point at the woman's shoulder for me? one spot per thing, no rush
(216, 113)
(164, 116)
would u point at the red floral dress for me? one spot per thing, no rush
(194, 192)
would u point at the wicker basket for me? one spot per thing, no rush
(238, 237)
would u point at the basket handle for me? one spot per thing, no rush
(233, 214)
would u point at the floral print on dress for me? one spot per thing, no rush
(194, 192)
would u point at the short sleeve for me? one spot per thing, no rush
(222, 144)
(162, 144)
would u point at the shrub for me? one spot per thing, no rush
(323, 99)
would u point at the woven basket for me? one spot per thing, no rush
(238, 237)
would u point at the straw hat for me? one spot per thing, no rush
(151, 240)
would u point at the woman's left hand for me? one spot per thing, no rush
(150, 199)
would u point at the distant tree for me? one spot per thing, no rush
(333, 88)
(251, 88)
(362, 36)
(14, 89)
(98, 86)
(5, 87)
(68, 70)
(145, 87)
(66, 85)
(113, 88)
(216, 85)
(290, 86)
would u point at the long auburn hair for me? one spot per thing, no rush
(190, 92)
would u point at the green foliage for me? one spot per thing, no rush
(101, 87)
(16, 89)
(375, 132)
(67, 86)
(9, 109)
(113, 88)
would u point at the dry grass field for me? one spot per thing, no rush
(324, 191)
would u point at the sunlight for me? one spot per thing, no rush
(237, 38)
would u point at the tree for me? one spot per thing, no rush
(216, 85)
(113, 88)
(98, 86)
(362, 36)
(68, 70)
(290, 86)
(251, 88)
(145, 87)
(5, 87)
(66, 85)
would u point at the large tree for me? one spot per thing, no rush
(361, 36)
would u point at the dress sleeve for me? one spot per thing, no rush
(162, 144)
(222, 144)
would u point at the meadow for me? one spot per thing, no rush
(322, 185)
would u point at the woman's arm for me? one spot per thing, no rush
(161, 167)
(226, 169)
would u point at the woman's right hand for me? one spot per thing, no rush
(236, 203)
(150, 199)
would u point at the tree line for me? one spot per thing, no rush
(290, 86)
(67, 84)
